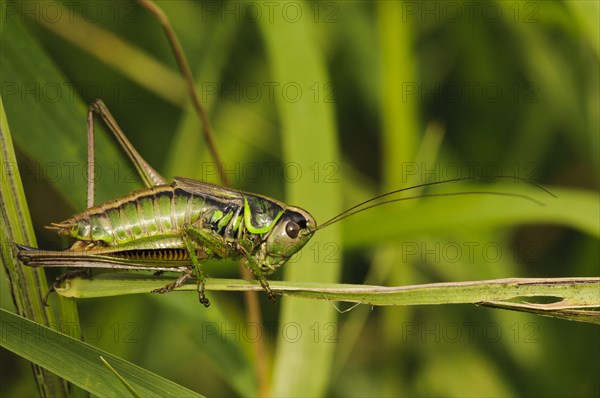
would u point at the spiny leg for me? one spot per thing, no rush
(211, 241)
(216, 244)
(91, 160)
(256, 270)
(195, 271)
(90, 203)
(260, 276)
(197, 267)
(150, 176)
(185, 275)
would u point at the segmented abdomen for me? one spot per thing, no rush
(161, 210)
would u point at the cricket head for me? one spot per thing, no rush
(290, 233)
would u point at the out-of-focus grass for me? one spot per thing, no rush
(516, 93)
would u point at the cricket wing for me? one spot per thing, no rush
(206, 189)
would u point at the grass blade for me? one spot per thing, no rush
(80, 363)
(302, 367)
(565, 294)
(121, 378)
(27, 285)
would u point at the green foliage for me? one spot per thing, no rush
(390, 96)
(83, 364)
(567, 298)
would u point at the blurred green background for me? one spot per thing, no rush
(417, 91)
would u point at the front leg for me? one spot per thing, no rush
(209, 240)
(260, 276)
(216, 244)
(256, 270)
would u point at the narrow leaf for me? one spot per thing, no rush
(568, 293)
(79, 362)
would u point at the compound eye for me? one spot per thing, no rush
(292, 229)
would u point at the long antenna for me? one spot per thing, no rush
(359, 207)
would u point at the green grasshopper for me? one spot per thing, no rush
(172, 227)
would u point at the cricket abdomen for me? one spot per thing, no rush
(161, 210)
